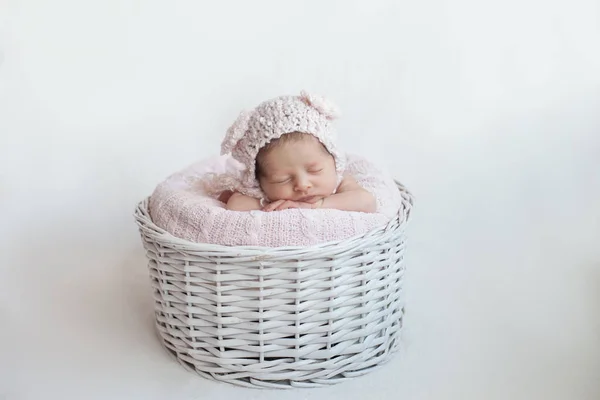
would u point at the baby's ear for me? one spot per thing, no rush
(235, 132)
(324, 106)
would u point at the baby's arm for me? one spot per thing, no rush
(350, 196)
(240, 202)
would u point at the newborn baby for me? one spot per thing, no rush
(291, 160)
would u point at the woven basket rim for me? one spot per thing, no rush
(145, 223)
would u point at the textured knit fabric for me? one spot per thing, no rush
(180, 206)
(270, 120)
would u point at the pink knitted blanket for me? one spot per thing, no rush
(179, 206)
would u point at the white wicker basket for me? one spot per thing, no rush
(279, 317)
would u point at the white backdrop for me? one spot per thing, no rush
(487, 111)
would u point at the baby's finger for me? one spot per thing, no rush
(287, 204)
(281, 207)
(272, 206)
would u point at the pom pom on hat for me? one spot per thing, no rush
(327, 108)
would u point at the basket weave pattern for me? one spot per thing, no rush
(279, 317)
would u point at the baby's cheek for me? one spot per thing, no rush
(273, 193)
(331, 181)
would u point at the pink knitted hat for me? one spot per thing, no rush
(269, 121)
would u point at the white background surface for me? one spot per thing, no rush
(488, 111)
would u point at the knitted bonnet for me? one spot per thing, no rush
(269, 121)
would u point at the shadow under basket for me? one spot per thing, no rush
(279, 317)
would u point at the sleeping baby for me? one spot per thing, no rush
(287, 147)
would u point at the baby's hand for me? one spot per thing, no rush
(279, 205)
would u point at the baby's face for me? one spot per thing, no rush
(300, 170)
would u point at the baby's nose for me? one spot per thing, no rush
(302, 185)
